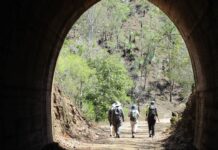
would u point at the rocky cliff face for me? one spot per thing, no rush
(67, 119)
(182, 134)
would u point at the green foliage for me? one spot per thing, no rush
(125, 112)
(89, 110)
(95, 82)
(72, 73)
(175, 119)
(113, 83)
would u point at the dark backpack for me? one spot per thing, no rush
(110, 114)
(133, 115)
(117, 115)
(152, 113)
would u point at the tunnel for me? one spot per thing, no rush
(32, 33)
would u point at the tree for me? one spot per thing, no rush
(113, 84)
(119, 44)
(72, 73)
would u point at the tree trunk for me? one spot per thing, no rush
(117, 46)
(138, 106)
(171, 90)
(81, 94)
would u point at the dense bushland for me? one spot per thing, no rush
(122, 50)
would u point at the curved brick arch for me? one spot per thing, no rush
(31, 37)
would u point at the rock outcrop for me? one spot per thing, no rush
(68, 120)
(182, 133)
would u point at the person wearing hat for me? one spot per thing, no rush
(151, 118)
(133, 116)
(117, 118)
(110, 119)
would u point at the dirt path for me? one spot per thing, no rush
(140, 142)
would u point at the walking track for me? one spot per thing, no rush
(125, 142)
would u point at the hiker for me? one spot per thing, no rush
(110, 119)
(151, 118)
(117, 118)
(133, 116)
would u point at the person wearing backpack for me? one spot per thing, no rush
(110, 119)
(151, 118)
(117, 118)
(133, 116)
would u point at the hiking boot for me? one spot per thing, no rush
(149, 135)
(133, 136)
(118, 136)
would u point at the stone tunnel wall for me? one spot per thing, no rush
(32, 33)
(196, 22)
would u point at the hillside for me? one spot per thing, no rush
(126, 51)
(68, 121)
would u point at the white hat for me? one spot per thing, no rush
(113, 105)
(118, 103)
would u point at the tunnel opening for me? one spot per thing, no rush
(86, 44)
(30, 43)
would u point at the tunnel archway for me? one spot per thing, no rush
(33, 34)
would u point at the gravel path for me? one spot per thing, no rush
(140, 142)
